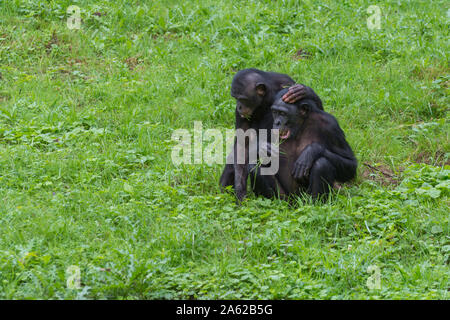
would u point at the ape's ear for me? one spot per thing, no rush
(261, 89)
(304, 109)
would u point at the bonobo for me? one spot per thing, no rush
(254, 91)
(313, 151)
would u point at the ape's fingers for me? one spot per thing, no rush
(294, 96)
(293, 93)
(305, 172)
(295, 172)
(296, 87)
(287, 96)
(299, 173)
(297, 95)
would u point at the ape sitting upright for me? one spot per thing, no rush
(254, 91)
(313, 151)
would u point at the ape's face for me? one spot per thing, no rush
(249, 92)
(288, 118)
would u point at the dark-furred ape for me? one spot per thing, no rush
(254, 91)
(313, 151)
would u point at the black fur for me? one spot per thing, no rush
(254, 91)
(314, 155)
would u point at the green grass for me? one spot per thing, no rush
(86, 179)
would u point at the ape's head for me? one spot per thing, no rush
(251, 90)
(289, 117)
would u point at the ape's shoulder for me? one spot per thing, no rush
(321, 116)
(325, 122)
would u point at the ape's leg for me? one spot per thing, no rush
(265, 186)
(227, 177)
(321, 177)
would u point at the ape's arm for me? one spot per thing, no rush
(300, 91)
(240, 169)
(345, 165)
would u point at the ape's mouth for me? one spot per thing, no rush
(285, 133)
(246, 115)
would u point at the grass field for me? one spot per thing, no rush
(87, 182)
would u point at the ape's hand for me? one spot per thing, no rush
(295, 93)
(300, 172)
(305, 161)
